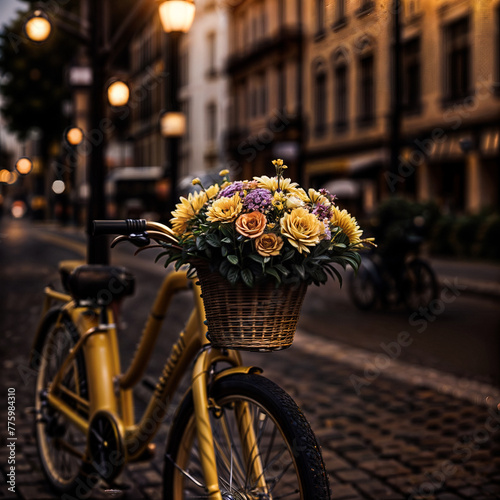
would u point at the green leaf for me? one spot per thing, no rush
(201, 244)
(233, 275)
(257, 258)
(224, 251)
(288, 255)
(247, 277)
(226, 240)
(282, 269)
(233, 259)
(334, 273)
(274, 273)
(300, 270)
(213, 240)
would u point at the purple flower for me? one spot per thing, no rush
(231, 190)
(257, 200)
(329, 196)
(322, 212)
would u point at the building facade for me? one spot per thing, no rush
(449, 108)
(203, 90)
(265, 86)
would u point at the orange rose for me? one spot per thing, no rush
(268, 244)
(251, 225)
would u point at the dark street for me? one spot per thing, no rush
(394, 422)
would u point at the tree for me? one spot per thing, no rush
(33, 82)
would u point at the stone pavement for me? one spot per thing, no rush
(385, 435)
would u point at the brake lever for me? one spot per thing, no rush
(138, 240)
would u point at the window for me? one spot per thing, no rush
(185, 110)
(211, 122)
(411, 92)
(254, 97)
(341, 95)
(412, 8)
(320, 99)
(366, 90)
(211, 47)
(339, 12)
(184, 66)
(281, 87)
(281, 12)
(262, 94)
(457, 63)
(320, 17)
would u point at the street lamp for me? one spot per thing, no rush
(38, 27)
(102, 48)
(73, 136)
(118, 93)
(24, 165)
(176, 17)
(172, 124)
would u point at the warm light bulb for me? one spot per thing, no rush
(74, 136)
(38, 27)
(176, 15)
(173, 124)
(118, 93)
(58, 187)
(24, 165)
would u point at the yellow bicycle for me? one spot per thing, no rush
(236, 435)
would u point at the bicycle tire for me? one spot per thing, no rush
(421, 286)
(57, 441)
(291, 458)
(362, 289)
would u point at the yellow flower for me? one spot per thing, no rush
(317, 197)
(225, 209)
(196, 181)
(268, 244)
(294, 202)
(302, 229)
(224, 172)
(186, 210)
(278, 162)
(271, 183)
(279, 200)
(212, 191)
(347, 223)
(252, 224)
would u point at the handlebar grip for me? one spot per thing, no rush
(126, 227)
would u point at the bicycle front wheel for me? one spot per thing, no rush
(284, 460)
(61, 446)
(421, 286)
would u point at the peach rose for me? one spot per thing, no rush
(251, 225)
(268, 244)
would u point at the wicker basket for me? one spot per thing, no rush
(262, 318)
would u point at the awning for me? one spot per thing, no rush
(348, 165)
(344, 188)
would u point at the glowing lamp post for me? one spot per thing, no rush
(24, 165)
(176, 17)
(38, 27)
(118, 93)
(74, 136)
(102, 47)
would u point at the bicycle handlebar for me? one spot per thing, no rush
(125, 227)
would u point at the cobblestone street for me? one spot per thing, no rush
(388, 430)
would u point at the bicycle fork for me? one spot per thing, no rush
(203, 406)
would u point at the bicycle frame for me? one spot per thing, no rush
(112, 391)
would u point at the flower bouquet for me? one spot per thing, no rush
(256, 246)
